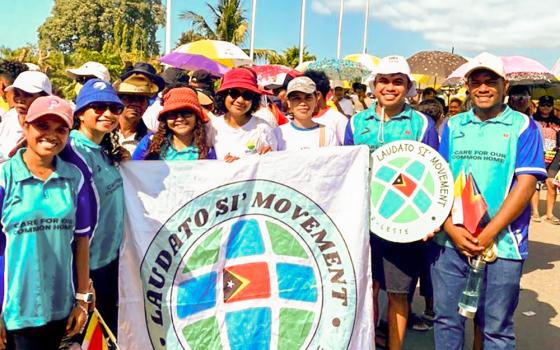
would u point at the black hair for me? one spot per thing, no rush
(458, 100)
(109, 144)
(358, 85)
(11, 69)
(432, 108)
(519, 90)
(429, 90)
(221, 103)
(442, 103)
(321, 81)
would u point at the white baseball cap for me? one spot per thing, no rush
(32, 82)
(91, 68)
(394, 65)
(486, 61)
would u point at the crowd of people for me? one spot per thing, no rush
(62, 200)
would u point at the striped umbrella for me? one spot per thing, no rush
(222, 52)
(369, 61)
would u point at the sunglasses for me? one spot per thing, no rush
(100, 107)
(247, 95)
(179, 114)
(133, 98)
(545, 104)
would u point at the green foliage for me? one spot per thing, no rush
(229, 23)
(290, 57)
(78, 24)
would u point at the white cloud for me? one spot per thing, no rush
(471, 25)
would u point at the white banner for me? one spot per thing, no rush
(268, 252)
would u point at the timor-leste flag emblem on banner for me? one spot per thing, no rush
(268, 252)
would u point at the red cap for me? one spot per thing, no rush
(182, 98)
(50, 105)
(240, 78)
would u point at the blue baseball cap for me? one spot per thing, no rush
(96, 90)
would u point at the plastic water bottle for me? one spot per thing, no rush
(468, 304)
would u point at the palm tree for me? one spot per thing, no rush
(230, 23)
(290, 57)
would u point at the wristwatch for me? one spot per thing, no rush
(85, 297)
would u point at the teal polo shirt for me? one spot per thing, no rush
(40, 219)
(168, 152)
(495, 152)
(107, 185)
(368, 128)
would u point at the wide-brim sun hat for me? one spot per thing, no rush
(147, 70)
(136, 84)
(180, 99)
(96, 90)
(240, 78)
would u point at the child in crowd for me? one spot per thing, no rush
(181, 134)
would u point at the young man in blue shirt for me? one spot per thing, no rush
(394, 265)
(502, 150)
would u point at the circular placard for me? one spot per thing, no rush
(411, 191)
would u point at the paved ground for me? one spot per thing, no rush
(540, 295)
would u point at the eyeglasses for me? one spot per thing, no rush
(179, 114)
(133, 98)
(247, 95)
(100, 107)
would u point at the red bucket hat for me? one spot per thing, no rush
(179, 99)
(240, 78)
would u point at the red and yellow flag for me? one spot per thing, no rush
(98, 336)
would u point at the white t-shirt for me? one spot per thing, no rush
(10, 133)
(265, 114)
(334, 120)
(292, 138)
(240, 142)
(150, 116)
(129, 143)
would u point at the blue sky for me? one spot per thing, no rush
(503, 27)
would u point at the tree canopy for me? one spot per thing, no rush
(129, 25)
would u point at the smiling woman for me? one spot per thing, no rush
(238, 134)
(95, 150)
(53, 224)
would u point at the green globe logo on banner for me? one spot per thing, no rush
(411, 191)
(249, 265)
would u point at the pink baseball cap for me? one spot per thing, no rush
(50, 105)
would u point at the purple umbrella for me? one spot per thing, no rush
(189, 61)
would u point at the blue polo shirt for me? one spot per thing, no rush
(40, 219)
(108, 205)
(368, 128)
(169, 153)
(495, 152)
